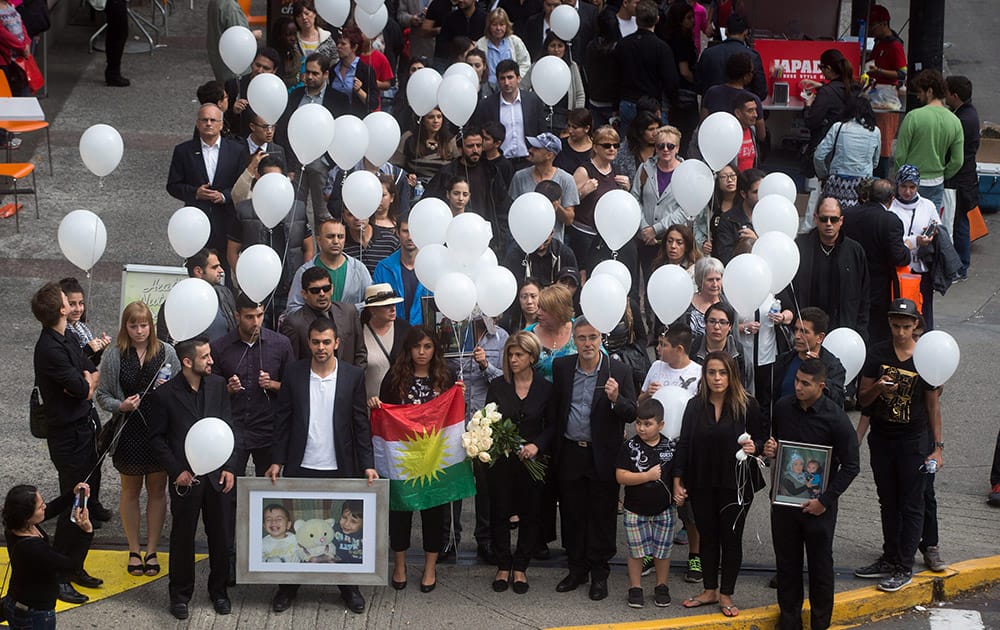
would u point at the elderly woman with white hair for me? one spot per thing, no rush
(708, 291)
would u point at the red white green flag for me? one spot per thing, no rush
(419, 449)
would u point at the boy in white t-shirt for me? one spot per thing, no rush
(675, 367)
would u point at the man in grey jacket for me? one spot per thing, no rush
(349, 276)
(207, 266)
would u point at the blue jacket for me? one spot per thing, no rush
(390, 270)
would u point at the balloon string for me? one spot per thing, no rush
(461, 352)
(100, 183)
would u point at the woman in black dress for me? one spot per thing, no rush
(35, 568)
(705, 471)
(129, 371)
(525, 397)
(418, 375)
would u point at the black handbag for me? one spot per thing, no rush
(37, 421)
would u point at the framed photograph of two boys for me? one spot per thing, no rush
(800, 473)
(312, 531)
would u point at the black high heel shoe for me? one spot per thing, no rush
(136, 570)
(399, 585)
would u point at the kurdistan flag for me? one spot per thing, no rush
(419, 449)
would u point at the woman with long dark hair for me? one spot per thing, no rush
(523, 396)
(706, 472)
(825, 103)
(35, 567)
(639, 143)
(427, 149)
(378, 234)
(524, 311)
(678, 248)
(418, 375)
(310, 38)
(853, 146)
(706, 224)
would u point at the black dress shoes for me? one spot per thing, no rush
(282, 601)
(70, 595)
(353, 599)
(118, 81)
(222, 605)
(570, 583)
(179, 610)
(598, 590)
(86, 580)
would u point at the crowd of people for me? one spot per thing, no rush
(350, 326)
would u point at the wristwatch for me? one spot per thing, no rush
(940, 445)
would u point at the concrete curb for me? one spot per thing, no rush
(850, 607)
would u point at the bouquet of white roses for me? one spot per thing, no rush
(489, 437)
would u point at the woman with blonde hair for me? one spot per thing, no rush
(130, 369)
(594, 178)
(554, 326)
(499, 42)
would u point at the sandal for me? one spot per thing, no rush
(135, 569)
(149, 570)
(730, 611)
(694, 602)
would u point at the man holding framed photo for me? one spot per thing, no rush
(322, 430)
(810, 418)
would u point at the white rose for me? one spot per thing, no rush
(471, 451)
(484, 457)
(487, 444)
(488, 432)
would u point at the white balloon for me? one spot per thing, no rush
(467, 237)
(429, 220)
(362, 193)
(565, 21)
(101, 149)
(188, 231)
(531, 218)
(775, 213)
(268, 96)
(383, 137)
(335, 12)
(457, 97)
(616, 269)
(462, 69)
(310, 131)
(350, 141)
(693, 184)
(431, 263)
(484, 263)
(617, 216)
(82, 238)
(496, 289)
(848, 346)
(238, 47)
(719, 139)
(782, 256)
(670, 290)
(371, 24)
(208, 445)
(550, 79)
(370, 6)
(674, 400)
(936, 357)
(777, 184)
(455, 295)
(258, 271)
(746, 281)
(422, 90)
(191, 307)
(603, 301)
(273, 196)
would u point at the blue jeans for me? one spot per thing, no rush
(28, 619)
(935, 194)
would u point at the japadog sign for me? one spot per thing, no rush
(794, 60)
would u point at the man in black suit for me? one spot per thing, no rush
(316, 290)
(330, 441)
(178, 404)
(66, 380)
(521, 113)
(880, 234)
(316, 89)
(203, 171)
(238, 114)
(595, 397)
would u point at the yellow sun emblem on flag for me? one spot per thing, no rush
(421, 457)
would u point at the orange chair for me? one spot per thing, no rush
(254, 20)
(17, 171)
(26, 126)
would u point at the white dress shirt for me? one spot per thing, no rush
(210, 153)
(320, 453)
(512, 118)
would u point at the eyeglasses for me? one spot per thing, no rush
(717, 322)
(267, 127)
(582, 339)
(669, 146)
(731, 177)
(326, 288)
(829, 219)
(609, 145)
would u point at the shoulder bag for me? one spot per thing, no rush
(37, 421)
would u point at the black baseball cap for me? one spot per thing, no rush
(569, 273)
(903, 306)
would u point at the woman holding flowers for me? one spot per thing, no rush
(418, 375)
(523, 397)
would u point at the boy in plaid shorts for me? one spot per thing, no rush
(644, 462)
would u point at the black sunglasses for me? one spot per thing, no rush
(326, 288)
(670, 146)
(828, 219)
(609, 145)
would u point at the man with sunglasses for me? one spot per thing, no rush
(316, 291)
(833, 271)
